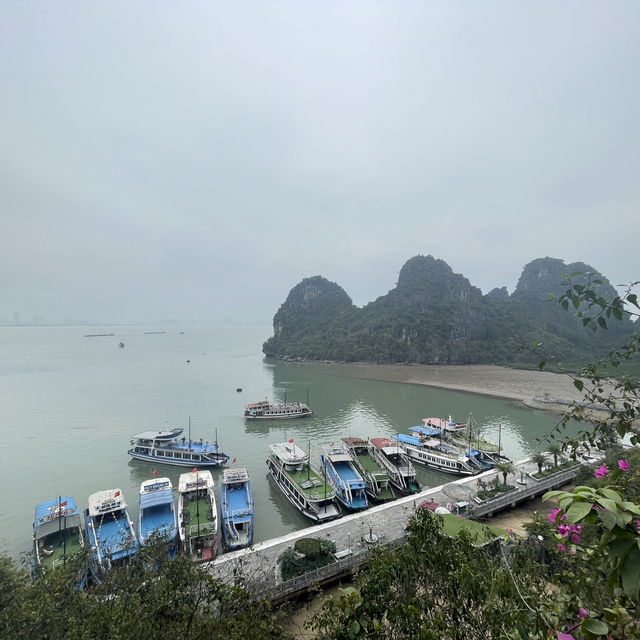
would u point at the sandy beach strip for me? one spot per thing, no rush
(487, 380)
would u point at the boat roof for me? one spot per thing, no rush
(354, 441)
(154, 492)
(336, 454)
(239, 474)
(105, 501)
(448, 425)
(167, 434)
(50, 514)
(426, 431)
(289, 452)
(193, 480)
(257, 405)
(402, 437)
(385, 445)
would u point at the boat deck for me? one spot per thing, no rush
(158, 518)
(60, 545)
(198, 511)
(370, 465)
(310, 483)
(346, 472)
(238, 502)
(114, 536)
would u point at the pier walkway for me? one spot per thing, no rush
(356, 534)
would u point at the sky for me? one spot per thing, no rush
(191, 161)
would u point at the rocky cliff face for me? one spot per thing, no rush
(433, 315)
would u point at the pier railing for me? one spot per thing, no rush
(535, 487)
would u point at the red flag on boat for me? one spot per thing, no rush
(195, 470)
(63, 504)
(116, 494)
(154, 472)
(233, 460)
(291, 441)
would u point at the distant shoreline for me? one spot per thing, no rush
(518, 385)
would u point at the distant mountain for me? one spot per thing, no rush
(436, 316)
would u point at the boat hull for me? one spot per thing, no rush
(177, 462)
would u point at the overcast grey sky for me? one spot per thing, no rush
(191, 160)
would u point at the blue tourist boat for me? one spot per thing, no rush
(236, 509)
(57, 532)
(198, 515)
(339, 470)
(157, 519)
(167, 447)
(109, 530)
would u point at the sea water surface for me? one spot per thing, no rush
(70, 405)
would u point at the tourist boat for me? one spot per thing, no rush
(197, 515)
(57, 532)
(446, 425)
(265, 410)
(438, 454)
(337, 467)
(157, 518)
(301, 484)
(392, 457)
(109, 530)
(166, 447)
(377, 484)
(236, 509)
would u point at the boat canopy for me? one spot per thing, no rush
(337, 455)
(416, 442)
(240, 474)
(426, 431)
(167, 434)
(289, 453)
(155, 492)
(51, 514)
(354, 441)
(105, 501)
(195, 480)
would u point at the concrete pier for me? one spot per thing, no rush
(356, 534)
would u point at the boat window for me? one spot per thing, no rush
(159, 453)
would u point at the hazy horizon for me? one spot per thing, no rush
(196, 161)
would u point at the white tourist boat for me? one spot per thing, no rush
(394, 460)
(301, 484)
(265, 410)
(198, 515)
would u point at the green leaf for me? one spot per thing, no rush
(631, 574)
(611, 494)
(541, 365)
(577, 511)
(596, 627)
(608, 519)
(602, 322)
(578, 384)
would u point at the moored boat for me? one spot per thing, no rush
(109, 530)
(338, 468)
(393, 458)
(435, 453)
(445, 424)
(265, 410)
(57, 532)
(157, 518)
(197, 515)
(377, 483)
(301, 484)
(166, 447)
(236, 508)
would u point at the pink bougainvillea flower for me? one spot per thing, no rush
(601, 471)
(561, 547)
(564, 636)
(553, 515)
(583, 613)
(575, 538)
(623, 465)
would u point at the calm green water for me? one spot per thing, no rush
(70, 405)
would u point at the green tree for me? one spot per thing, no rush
(540, 459)
(555, 449)
(505, 468)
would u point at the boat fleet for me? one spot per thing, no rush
(350, 476)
